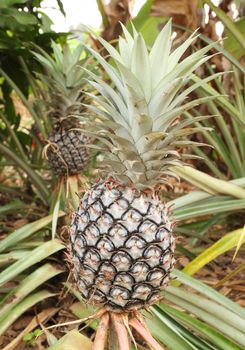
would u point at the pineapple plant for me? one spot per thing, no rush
(121, 236)
(64, 82)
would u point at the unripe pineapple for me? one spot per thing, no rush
(122, 247)
(122, 244)
(63, 80)
(67, 152)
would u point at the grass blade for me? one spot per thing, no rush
(22, 307)
(224, 244)
(207, 291)
(26, 286)
(34, 256)
(25, 231)
(211, 333)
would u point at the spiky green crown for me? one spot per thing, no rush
(63, 79)
(137, 116)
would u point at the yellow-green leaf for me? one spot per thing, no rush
(226, 243)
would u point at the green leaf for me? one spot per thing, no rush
(211, 307)
(226, 243)
(231, 44)
(26, 286)
(206, 316)
(61, 7)
(209, 183)
(210, 332)
(31, 258)
(209, 208)
(228, 23)
(151, 28)
(36, 179)
(9, 3)
(207, 291)
(105, 20)
(13, 206)
(26, 231)
(167, 334)
(22, 307)
(12, 17)
(142, 15)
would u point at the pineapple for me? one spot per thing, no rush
(67, 153)
(121, 236)
(63, 79)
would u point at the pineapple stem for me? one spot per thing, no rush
(145, 334)
(101, 334)
(121, 331)
(113, 338)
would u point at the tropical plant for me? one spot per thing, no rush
(121, 235)
(63, 83)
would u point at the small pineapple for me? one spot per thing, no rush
(121, 242)
(67, 152)
(63, 81)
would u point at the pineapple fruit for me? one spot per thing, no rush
(63, 79)
(67, 153)
(121, 236)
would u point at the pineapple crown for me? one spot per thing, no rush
(137, 117)
(62, 78)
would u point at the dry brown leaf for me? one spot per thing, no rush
(183, 12)
(117, 11)
(41, 317)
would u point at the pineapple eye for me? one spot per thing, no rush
(118, 231)
(128, 194)
(118, 208)
(119, 295)
(92, 258)
(79, 241)
(162, 235)
(135, 242)
(141, 291)
(139, 271)
(95, 211)
(119, 234)
(82, 221)
(166, 261)
(107, 270)
(154, 297)
(124, 279)
(96, 193)
(164, 281)
(152, 254)
(87, 275)
(80, 252)
(103, 284)
(92, 234)
(121, 260)
(148, 225)
(105, 246)
(97, 297)
(83, 288)
(104, 222)
(155, 277)
(132, 215)
(135, 245)
(114, 193)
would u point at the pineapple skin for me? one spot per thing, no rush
(121, 247)
(67, 154)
